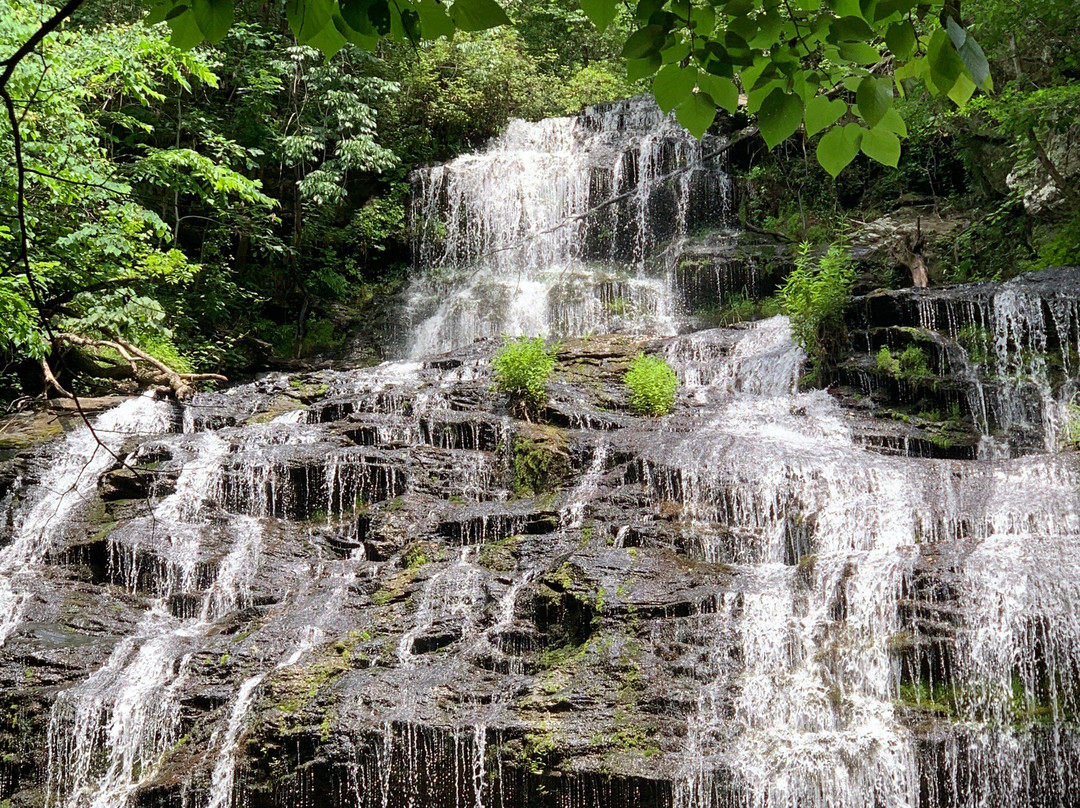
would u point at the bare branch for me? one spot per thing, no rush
(179, 383)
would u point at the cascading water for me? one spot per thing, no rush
(80, 459)
(334, 589)
(547, 230)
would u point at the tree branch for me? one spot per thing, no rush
(180, 383)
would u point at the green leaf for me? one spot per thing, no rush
(214, 18)
(640, 68)
(308, 17)
(645, 42)
(945, 64)
(874, 97)
(746, 28)
(434, 21)
(887, 8)
(696, 114)
(894, 123)
(860, 53)
(969, 52)
(769, 27)
(881, 145)
(756, 97)
(704, 20)
(355, 15)
(850, 29)
(673, 85)
(739, 8)
(721, 90)
(846, 8)
(779, 117)
(646, 8)
(601, 12)
(962, 90)
(328, 41)
(901, 39)
(836, 149)
(675, 53)
(367, 41)
(915, 69)
(157, 13)
(821, 113)
(478, 15)
(185, 31)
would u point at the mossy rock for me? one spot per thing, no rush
(541, 460)
(25, 430)
(279, 406)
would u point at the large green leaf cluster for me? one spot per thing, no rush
(832, 66)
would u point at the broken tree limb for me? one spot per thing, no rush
(51, 380)
(179, 383)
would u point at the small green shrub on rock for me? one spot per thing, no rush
(913, 362)
(886, 362)
(522, 368)
(814, 297)
(652, 385)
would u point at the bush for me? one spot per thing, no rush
(522, 367)
(913, 362)
(814, 297)
(886, 362)
(652, 385)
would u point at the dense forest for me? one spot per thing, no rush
(222, 208)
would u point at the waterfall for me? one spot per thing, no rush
(548, 230)
(323, 589)
(79, 460)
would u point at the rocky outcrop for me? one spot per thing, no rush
(361, 602)
(986, 367)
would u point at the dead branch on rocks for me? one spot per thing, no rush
(181, 384)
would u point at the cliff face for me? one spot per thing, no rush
(374, 588)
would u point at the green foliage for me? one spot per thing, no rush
(522, 369)
(1070, 433)
(783, 57)
(738, 308)
(814, 297)
(886, 362)
(913, 363)
(334, 129)
(455, 93)
(1061, 247)
(977, 341)
(652, 384)
(101, 248)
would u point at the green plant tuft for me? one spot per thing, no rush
(913, 363)
(886, 362)
(652, 385)
(814, 297)
(522, 368)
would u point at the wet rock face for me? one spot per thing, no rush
(985, 369)
(374, 598)
(375, 589)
